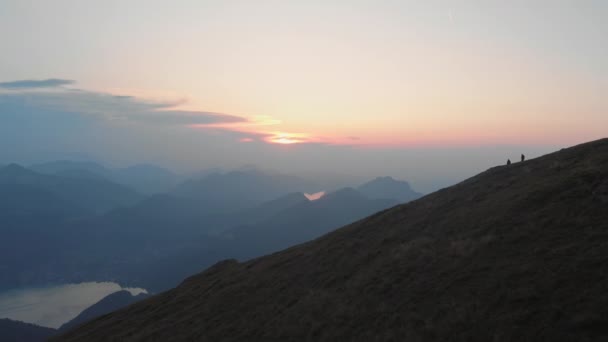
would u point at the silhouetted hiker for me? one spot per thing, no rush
(508, 161)
(523, 157)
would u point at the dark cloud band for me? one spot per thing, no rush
(103, 106)
(31, 84)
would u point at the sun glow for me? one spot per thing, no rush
(285, 141)
(284, 138)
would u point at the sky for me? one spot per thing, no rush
(427, 91)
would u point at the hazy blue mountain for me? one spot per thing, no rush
(63, 166)
(41, 220)
(387, 187)
(200, 174)
(221, 222)
(306, 220)
(20, 201)
(16, 331)
(97, 195)
(146, 178)
(165, 238)
(271, 208)
(32, 233)
(160, 216)
(161, 239)
(79, 173)
(241, 189)
(165, 257)
(111, 302)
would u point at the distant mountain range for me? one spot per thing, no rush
(389, 188)
(237, 190)
(516, 253)
(157, 258)
(304, 221)
(67, 222)
(96, 195)
(144, 178)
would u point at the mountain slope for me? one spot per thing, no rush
(515, 253)
(109, 303)
(303, 222)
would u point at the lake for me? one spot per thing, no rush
(52, 306)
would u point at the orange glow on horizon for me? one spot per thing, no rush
(285, 138)
(408, 133)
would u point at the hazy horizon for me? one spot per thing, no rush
(352, 126)
(430, 93)
(423, 169)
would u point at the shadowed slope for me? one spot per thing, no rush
(515, 253)
(107, 304)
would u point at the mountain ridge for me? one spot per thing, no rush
(95, 194)
(514, 253)
(109, 303)
(388, 187)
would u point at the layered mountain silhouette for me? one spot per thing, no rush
(389, 188)
(94, 194)
(16, 331)
(145, 178)
(39, 216)
(166, 238)
(60, 166)
(304, 221)
(161, 239)
(241, 189)
(515, 253)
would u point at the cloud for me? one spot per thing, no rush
(40, 101)
(33, 84)
(102, 106)
(177, 117)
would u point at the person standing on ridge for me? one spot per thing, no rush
(508, 161)
(523, 157)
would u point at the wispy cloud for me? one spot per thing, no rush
(34, 84)
(49, 97)
(178, 117)
(106, 106)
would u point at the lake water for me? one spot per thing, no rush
(54, 305)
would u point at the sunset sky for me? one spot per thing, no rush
(409, 87)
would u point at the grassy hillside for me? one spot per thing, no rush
(517, 253)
